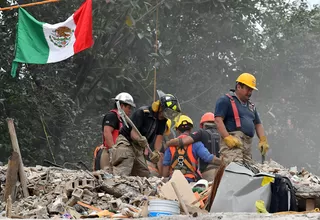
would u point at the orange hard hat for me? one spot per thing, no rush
(207, 117)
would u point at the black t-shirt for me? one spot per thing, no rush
(199, 135)
(205, 137)
(111, 119)
(147, 123)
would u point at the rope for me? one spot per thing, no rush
(156, 51)
(47, 138)
(28, 5)
(44, 129)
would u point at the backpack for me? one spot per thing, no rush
(283, 195)
(213, 144)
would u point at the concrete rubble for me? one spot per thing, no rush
(53, 190)
(63, 193)
(307, 184)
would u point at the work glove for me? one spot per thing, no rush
(143, 142)
(232, 141)
(263, 145)
(155, 156)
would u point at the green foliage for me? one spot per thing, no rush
(203, 46)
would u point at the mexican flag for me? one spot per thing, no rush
(41, 43)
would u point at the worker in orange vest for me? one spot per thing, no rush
(185, 157)
(207, 134)
(237, 120)
(111, 125)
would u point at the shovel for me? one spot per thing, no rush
(126, 120)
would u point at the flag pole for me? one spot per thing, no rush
(28, 5)
(156, 51)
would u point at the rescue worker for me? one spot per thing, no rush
(209, 136)
(237, 119)
(185, 156)
(156, 169)
(128, 152)
(111, 124)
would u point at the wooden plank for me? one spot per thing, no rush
(310, 204)
(9, 207)
(182, 203)
(15, 147)
(12, 176)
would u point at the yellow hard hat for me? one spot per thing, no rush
(168, 126)
(248, 80)
(183, 120)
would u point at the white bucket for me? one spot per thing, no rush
(159, 207)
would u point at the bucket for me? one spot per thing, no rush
(159, 207)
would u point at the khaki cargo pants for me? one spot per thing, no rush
(105, 161)
(128, 159)
(237, 154)
(210, 172)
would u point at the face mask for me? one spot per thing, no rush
(168, 113)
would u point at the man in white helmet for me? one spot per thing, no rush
(111, 124)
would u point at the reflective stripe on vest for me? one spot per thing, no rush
(189, 161)
(115, 132)
(235, 111)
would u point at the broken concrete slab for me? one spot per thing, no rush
(48, 185)
(306, 184)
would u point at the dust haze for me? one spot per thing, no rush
(203, 47)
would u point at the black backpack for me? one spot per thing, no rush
(212, 143)
(283, 195)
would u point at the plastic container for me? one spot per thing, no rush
(159, 207)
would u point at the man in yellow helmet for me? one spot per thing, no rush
(237, 120)
(185, 157)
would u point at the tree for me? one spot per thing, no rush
(202, 47)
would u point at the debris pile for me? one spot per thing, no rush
(75, 194)
(79, 193)
(306, 183)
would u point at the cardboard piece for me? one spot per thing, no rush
(184, 189)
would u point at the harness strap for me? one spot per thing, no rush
(235, 111)
(174, 164)
(190, 167)
(183, 152)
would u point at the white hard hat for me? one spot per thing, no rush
(202, 182)
(125, 98)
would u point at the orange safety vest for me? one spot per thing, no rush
(115, 134)
(183, 158)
